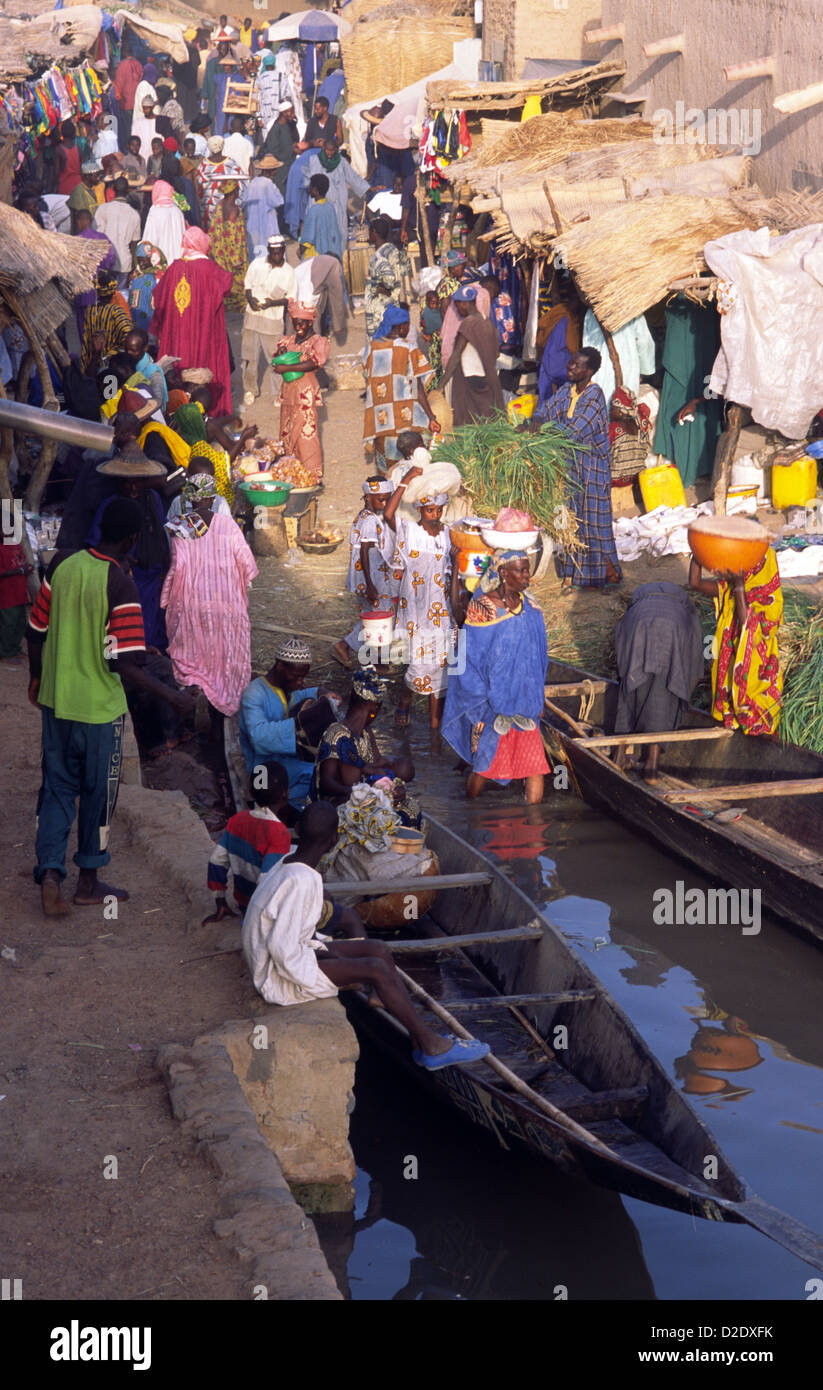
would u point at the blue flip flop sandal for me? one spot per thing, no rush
(463, 1050)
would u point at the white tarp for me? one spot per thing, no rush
(80, 23)
(771, 355)
(151, 30)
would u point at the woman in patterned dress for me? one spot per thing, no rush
(228, 244)
(424, 616)
(300, 400)
(397, 377)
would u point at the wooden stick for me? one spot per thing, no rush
(561, 714)
(506, 1001)
(533, 932)
(502, 1070)
(577, 688)
(413, 884)
(423, 219)
(807, 787)
(677, 736)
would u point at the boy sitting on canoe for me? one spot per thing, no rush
(290, 964)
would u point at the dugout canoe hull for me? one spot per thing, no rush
(777, 848)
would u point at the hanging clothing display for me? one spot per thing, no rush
(691, 346)
(444, 138)
(635, 350)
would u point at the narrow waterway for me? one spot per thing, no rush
(734, 1019)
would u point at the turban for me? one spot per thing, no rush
(367, 685)
(215, 144)
(465, 294)
(377, 487)
(230, 186)
(171, 144)
(285, 105)
(507, 556)
(162, 195)
(301, 311)
(292, 652)
(392, 316)
(194, 239)
(433, 499)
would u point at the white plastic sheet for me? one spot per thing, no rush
(771, 355)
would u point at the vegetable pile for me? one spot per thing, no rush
(504, 467)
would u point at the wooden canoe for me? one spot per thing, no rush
(635, 1132)
(775, 847)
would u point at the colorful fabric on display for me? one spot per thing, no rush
(505, 671)
(747, 681)
(229, 249)
(585, 420)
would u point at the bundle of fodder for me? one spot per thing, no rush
(394, 46)
(785, 212)
(625, 259)
(800, 642)
(505, 467)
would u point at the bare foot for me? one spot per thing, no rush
(341, 652)
(54, 904)
(94, 893)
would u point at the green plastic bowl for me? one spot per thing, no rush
(266, 496)
(291, 356)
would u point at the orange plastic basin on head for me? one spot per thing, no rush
(467, 540)
(728, 544)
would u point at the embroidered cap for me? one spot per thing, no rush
(292, 652)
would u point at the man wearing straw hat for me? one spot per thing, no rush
(85, 634)
(260, 199)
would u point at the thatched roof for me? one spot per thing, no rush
(33, 35)
(624, 260)
(567, 89)
(30, 257)
(544, 140)
(785, 212)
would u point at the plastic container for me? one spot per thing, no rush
(467, 540)
(794, 484)
(745, 473)
(273, 495)
(471, 566)
(378, 625)
(522, 407)
(291, 356)
(509, 540)
(661, 486)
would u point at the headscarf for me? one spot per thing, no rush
(215, 144)
(230, 186)
(367, 685)
(162, 195)
(220, 462)
(269, 61)
(507, 555)
(377, 487)
(195, 243)
(465, 294)
(292, 652)
(433, 499)
(392, 315)
(447, 286)
(198, 487)
(147, 251)
(190, 423)
(301, 311)
(105, 288)
(171, 144)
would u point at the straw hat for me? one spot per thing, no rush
(197, 376)
(269, 162)
(131, 463)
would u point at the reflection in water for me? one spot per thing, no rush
(731, 1019)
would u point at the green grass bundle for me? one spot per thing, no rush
(506, 467)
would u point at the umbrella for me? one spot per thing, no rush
(312, 26)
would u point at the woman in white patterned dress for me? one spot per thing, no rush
(424, 617)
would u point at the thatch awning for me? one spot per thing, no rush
(624, 260)
(567, 89)
(161, 36)
(30, 257)
(44, 36)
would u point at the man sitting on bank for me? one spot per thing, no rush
(266, 722)
(290, 964)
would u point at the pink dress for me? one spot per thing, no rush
(207, 613)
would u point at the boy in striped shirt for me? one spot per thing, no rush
(252, 843)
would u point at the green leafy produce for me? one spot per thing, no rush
(506, 467)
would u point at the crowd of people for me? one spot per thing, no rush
(145, 605)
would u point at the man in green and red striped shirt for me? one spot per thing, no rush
(85, 632)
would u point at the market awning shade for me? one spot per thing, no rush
(311, 26)
(151, 30)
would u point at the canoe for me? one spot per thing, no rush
(616, 1119)
(775, 847)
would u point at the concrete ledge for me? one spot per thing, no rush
(174, 840)
(296, 1068)
(259, 1217)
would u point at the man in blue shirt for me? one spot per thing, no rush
(266, 719)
